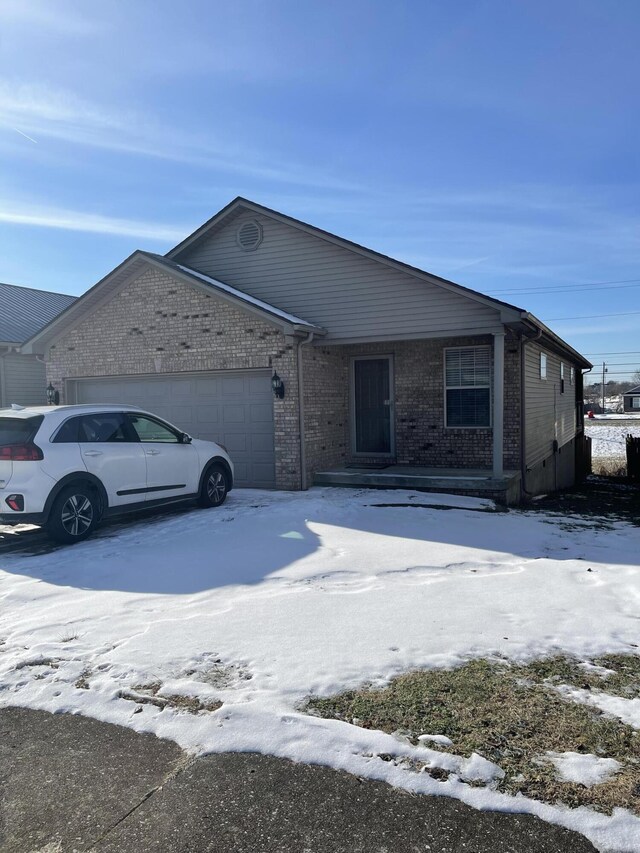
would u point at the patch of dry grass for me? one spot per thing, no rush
(609, 466)
(617, 674)
(511, 715)
(147, 694)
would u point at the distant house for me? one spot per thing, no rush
(314, 359)
(24, 312)
(632, 400)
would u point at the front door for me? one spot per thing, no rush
(372, 406)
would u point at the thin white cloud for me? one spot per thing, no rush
(73, 220)
(46, 15)
(38, 111)
(46, 109)
(463, 265)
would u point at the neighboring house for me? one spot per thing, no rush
(632, 400)
(382, 364)
(23, 312)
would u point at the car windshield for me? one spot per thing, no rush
(18, 430)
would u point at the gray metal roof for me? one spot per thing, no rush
(633, 391)
(24, 311)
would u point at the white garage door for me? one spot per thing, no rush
(235, 409)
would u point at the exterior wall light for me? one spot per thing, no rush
(277, 385)
(53, 396)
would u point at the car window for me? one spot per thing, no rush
(103, 427)
(149, 429)
(69, 432)
(18, 430)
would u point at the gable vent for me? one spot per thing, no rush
(249, 235)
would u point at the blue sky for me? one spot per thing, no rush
(493, 142)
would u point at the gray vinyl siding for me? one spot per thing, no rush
(22, 380)
(549, 414)
(352, 296)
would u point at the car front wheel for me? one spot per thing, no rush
(215, 486)
(74, 514)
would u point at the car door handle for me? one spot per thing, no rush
(152, 452)
(93, 453)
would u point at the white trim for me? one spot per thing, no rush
(514, 312)
(133, 267)
(352, 407)
(245, 299)
(445, 350)
(413, 336)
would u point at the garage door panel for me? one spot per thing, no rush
(233, 386)
(234, 414)
(236, 411)
(242, 472)
(182, 414)
(235, 442)
(261, 472)
(206, 414)
(262, 443)
(257, 388)
(208, 387)
(261, 413)
(181, 390)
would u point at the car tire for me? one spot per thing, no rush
(215, 485)
(74, 514)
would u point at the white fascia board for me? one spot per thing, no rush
(512, 312)
(86, 304)
(212, 288)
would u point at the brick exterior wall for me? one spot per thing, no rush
(156, 324)
(420, 435)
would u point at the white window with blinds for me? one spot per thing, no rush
(467, 372)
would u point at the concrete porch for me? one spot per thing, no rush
(504, 489)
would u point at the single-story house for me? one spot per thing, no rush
(23, 312)
(314, 359)
(631, 400)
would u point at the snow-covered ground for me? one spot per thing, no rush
(608, 437)
(276, 596)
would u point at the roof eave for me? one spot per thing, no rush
(288, 327)
(506, 309)
(545, 333)
(38, 343)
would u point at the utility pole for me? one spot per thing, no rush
(604, 370)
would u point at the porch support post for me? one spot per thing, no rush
(498, 403)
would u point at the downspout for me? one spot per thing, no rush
(523, 413)
(303, 449)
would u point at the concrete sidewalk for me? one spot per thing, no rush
(71, 784)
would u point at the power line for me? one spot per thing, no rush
(615, 352)
(593, 316)
(569, 288)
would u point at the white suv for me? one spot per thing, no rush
(66, 467)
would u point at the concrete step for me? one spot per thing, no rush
(504, 489)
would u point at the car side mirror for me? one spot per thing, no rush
(186, 438)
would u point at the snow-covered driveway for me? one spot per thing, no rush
(276, 596)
